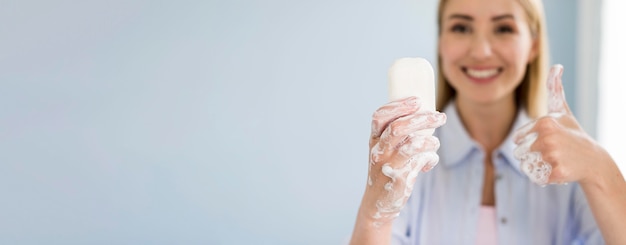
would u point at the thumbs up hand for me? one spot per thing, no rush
(554, 148)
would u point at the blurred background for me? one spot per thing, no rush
(228, 122)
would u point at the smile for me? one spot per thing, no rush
(482, 73)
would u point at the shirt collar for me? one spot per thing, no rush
(457, 144)
(508, 146)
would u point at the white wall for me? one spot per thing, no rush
(611, 121)
(199, 122)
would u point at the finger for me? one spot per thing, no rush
(557, 105)
(419, 143)
(414, 123)
(376, 154)
(538, 171)
(392, 111)
(431, 162)
(522, 132)
(531, 160)
(524, 147)
(417, 163)
(404, 145)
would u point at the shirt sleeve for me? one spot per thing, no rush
(406, 225)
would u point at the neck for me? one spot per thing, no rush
(488, 124)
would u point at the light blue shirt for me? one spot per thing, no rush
(444, 205)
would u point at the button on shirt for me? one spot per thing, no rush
(445, 204)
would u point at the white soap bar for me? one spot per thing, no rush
(413, 77)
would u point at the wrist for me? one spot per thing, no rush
(370, 217)
(604, 177)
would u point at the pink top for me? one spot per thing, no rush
(487, 226)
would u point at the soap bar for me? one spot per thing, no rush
(413, 77)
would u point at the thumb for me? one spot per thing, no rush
(557, 105)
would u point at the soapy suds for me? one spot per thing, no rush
(392, 203)
(524, 147)
(405, 175)
(535, 168)
(532, 163)
(403, 139)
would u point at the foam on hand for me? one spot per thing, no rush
(413, 77)
(413, 147)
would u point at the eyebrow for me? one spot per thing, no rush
(461, 16)
(504, 16)
(470, 18)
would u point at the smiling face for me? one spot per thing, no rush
(484, 48)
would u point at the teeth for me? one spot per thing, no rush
(482, 73)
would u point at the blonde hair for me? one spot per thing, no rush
(531, 93)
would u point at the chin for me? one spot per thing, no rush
(484, 98)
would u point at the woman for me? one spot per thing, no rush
(488, 189)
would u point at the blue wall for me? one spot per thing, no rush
(561, 16)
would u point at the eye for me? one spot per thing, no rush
(460, 28)
(504, 29)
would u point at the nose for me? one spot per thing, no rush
(481, 48)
